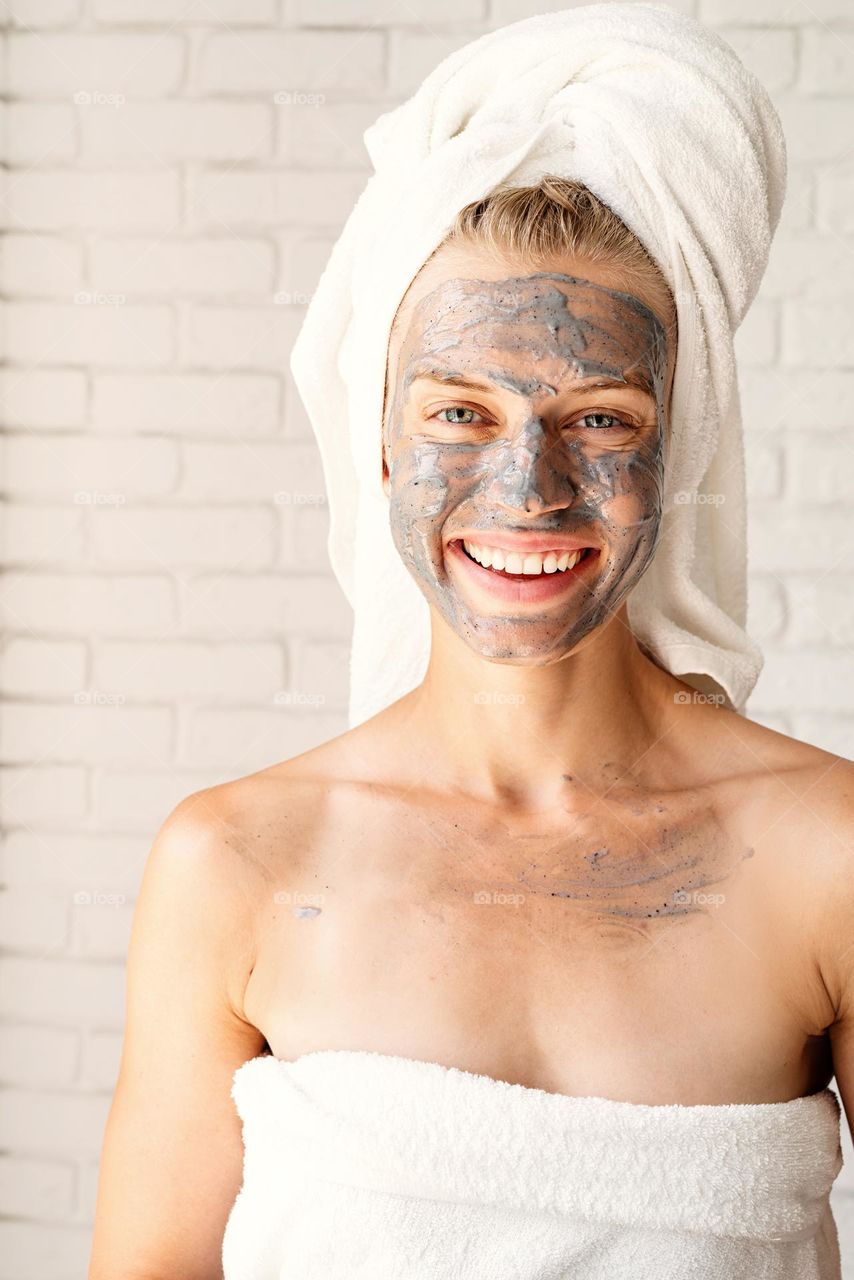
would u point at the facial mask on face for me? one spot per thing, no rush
(522, 462)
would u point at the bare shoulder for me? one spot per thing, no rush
(805, 796)
(795, 797)
(803, 793)
(811, 784)
(235, 826)
(219, 855)
(729, 748)
(245, 828)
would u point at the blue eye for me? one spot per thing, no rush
(457, 408)
(610, 418)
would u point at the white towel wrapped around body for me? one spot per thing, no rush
(364, 1166)
(661, 120)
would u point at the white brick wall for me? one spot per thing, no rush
(165, 585)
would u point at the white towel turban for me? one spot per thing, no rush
(656, 114)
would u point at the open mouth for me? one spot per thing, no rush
(522, 566)
(520, 580)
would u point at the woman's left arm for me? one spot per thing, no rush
(831, 806)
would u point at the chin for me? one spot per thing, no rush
(519, 653)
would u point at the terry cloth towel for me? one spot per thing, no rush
(656, 114)
(363, 1166)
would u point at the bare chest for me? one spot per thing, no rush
(650, 956)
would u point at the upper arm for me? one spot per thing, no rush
(832, 828)
(171, 1162)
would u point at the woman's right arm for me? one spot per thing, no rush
(172, 1156)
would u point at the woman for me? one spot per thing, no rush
(542, 969)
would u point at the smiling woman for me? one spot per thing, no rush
(571, 994)
(554, 862)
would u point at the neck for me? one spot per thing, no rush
(514, 735)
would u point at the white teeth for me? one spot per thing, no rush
(531, 563)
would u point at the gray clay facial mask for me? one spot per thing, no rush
(525, 454)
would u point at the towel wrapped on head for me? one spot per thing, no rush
(658, 117)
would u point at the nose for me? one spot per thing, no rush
(531, 473)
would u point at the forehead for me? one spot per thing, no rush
(544, 317)
(466, 301)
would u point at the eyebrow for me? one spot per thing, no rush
(634, 378)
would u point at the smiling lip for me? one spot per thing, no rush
(506, 540)
(517, 589)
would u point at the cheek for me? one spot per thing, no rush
(624, 509)
(624, 493)
(629, 482)
(423, 489)
(419, 485)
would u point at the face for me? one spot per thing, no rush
(525, 438)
